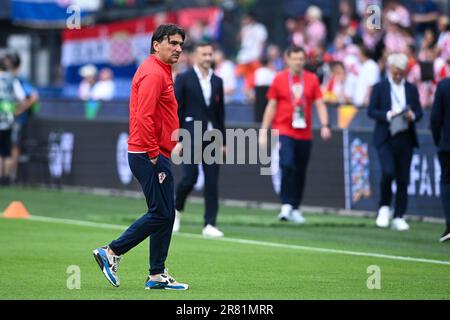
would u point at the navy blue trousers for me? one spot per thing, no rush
(157, 184)
(395, 159)
(444, 160)
(294, 158)
(211, 188)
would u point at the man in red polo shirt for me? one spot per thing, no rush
(153, 119)
(289, 110)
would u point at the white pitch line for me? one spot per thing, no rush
(245, 241)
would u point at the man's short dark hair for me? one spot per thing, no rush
(202, 44)
(165, 31)
(14, 59)
(365, 51)
(294, 49)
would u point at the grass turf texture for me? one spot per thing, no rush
(35, 255)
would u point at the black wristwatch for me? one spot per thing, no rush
(326, 126)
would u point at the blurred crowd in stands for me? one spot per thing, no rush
(348, 65)
(349, 55)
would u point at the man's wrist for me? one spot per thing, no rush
(326, 125)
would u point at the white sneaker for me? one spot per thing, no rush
(211, 231)
(297, 217)
(177, 221)
(384, 214)
(400, 224)
(108, 263)
(164, 281)
(285, 213)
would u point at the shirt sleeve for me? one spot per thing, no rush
(19, 92)
(272, 93)
(317, 93)
(149, 92)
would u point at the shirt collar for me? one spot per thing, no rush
(200, 75)
(392, 82)
(167, 67)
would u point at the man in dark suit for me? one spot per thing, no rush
(394, 104)
(440, 128)
(199, 93)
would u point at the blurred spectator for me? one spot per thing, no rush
(368, 76)
(88, 73)
(315, 30)
(362, 5)
(397, 13)
(317, 61)
(253, 36)
(339, 48)
(425, 17)
(372, 38)
(334, 88)
(443, 42)
(296, 32)
(22, 112)
(276, 61)
(184, 63)
(429, 39)
(11, 96)
(199, 32)
(397, 22)
(352, 68)
(264, 76)
(224, 68)
(441, 66)
(419, 75)
(104, 89)
(348, 16)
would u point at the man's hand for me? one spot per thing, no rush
(325, 133)
(178, 149)
(410, 116)
(262, 139)
(154, 160)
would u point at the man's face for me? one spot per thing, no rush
(169, 49)
(204, 56)
(296, 61)
(397, 74)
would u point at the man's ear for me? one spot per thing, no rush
(155, 45)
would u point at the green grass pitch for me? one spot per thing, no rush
(278, 263)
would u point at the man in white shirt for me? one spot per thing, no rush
(105, 88)
(394, 104)
(225, 69)
(253, 37)
(88, 73)
(369, 74)
(200, 94)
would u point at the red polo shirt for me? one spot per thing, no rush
(153, 109)
(280, 90)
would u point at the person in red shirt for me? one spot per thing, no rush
(153, 123)
(289, 110)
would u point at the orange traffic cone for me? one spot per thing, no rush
(16, 210)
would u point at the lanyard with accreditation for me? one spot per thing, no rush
(297, 99)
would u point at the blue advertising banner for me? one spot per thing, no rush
(363, 175)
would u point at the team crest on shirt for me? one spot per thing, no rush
(161, 177)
